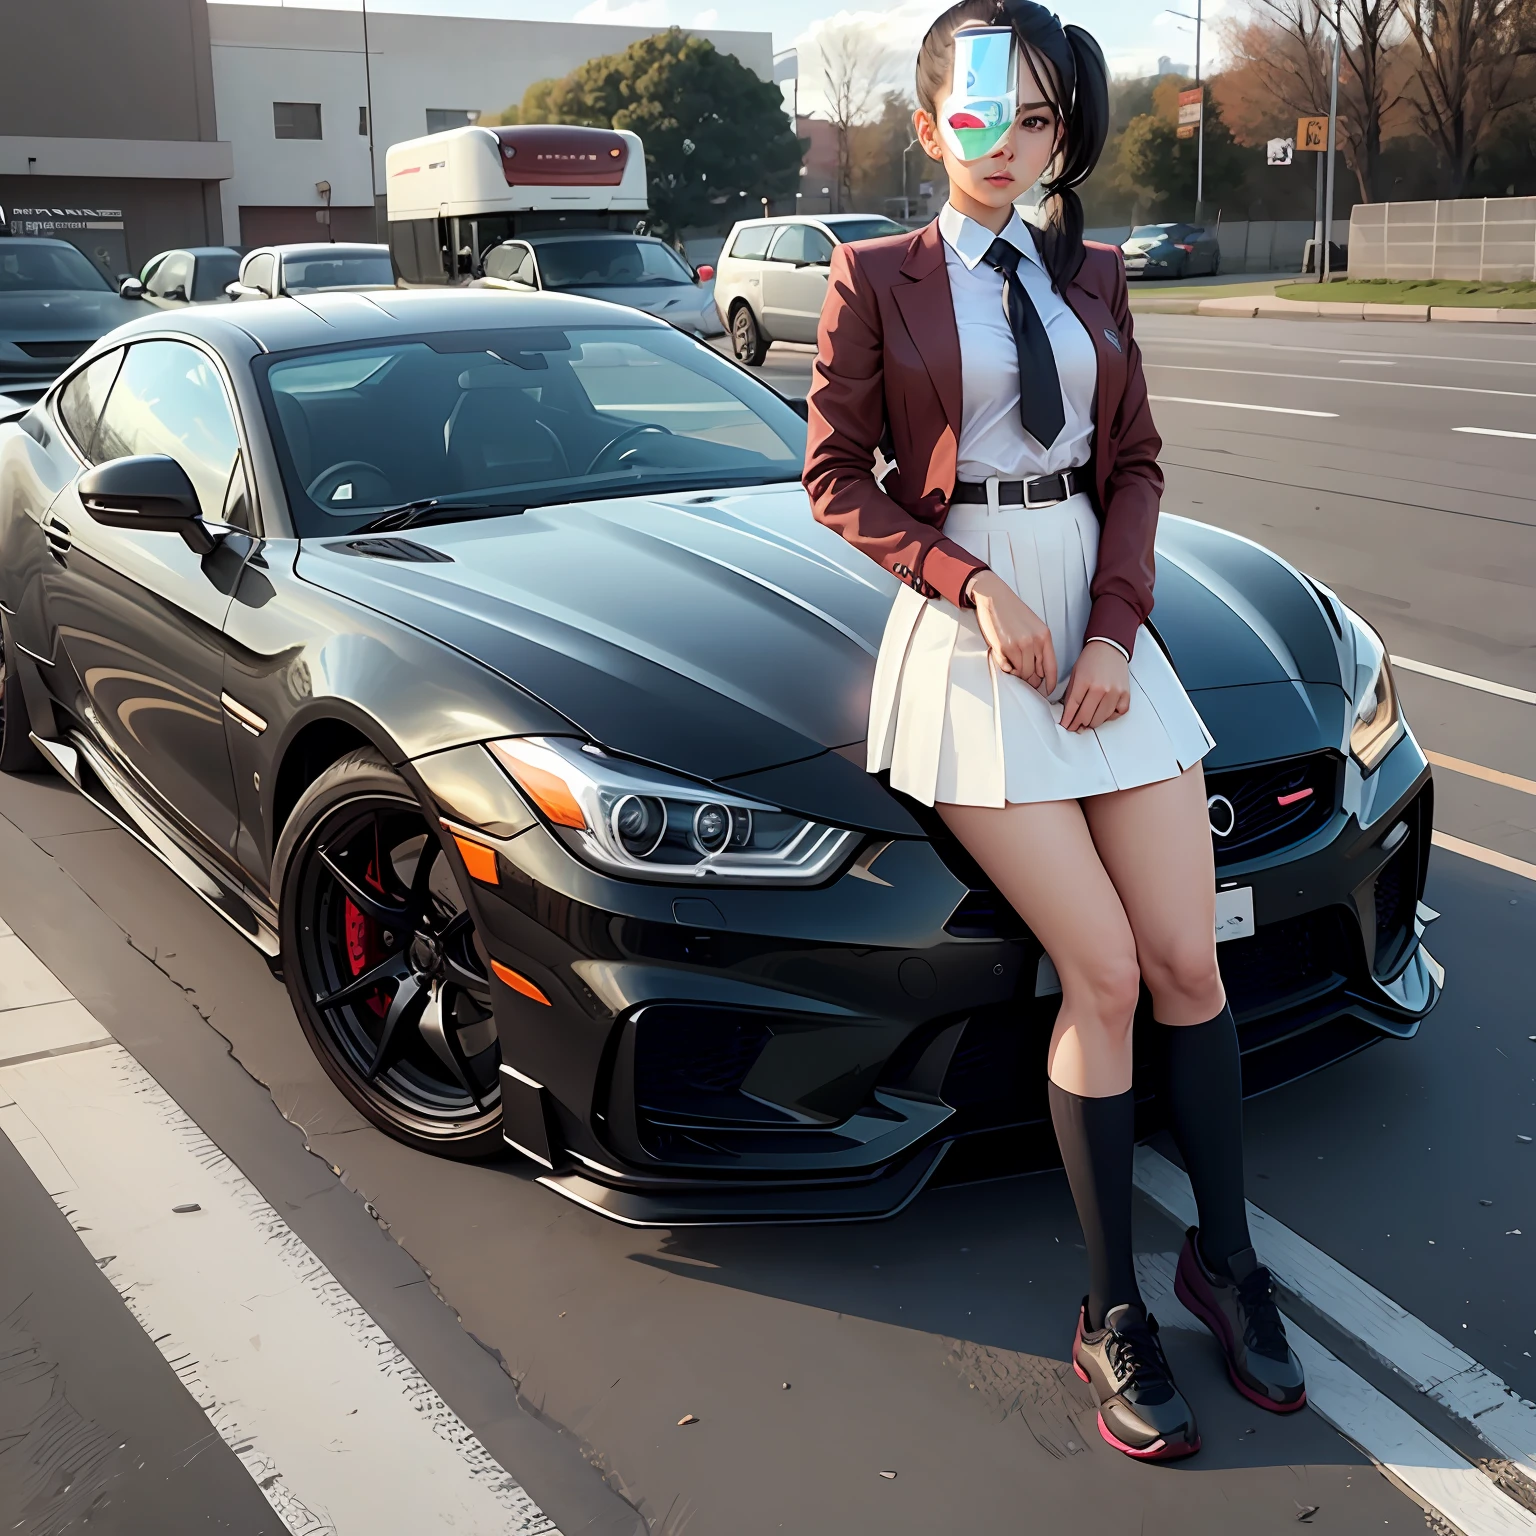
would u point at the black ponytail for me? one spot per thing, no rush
(1079, 65)
(1079, 88)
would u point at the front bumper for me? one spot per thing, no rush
(737, 1055)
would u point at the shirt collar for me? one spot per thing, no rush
(971, 241)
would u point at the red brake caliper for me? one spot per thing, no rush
(365, 945)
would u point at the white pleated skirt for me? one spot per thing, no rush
(952, 729)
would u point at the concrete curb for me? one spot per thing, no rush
(1266, 307)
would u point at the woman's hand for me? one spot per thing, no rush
(1018, 638)
(1099, 688)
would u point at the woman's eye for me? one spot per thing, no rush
(1036, 122)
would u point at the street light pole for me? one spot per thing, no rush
(1200, 129)
(907, 201)
(373, 178)
(1333, 134)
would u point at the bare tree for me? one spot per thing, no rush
(855, 66)
(1472, 63)
(1289, 53)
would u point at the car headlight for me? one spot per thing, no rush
(1377, 721)
(633, 820)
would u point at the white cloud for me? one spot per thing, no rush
(709, 18)
(637, 13)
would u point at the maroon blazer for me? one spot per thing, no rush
(888, 355)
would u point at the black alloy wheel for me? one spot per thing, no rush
(382, 963)
(17, 754)
(747, 337)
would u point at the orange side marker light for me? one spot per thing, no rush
(479, 860)
(518, 983)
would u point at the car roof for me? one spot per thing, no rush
(8, 240)
(384, 314)
(549, 236)
(320, 248)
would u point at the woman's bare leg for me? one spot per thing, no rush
(1042, 858)
(1156, 844)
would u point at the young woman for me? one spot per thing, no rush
(1017, 689)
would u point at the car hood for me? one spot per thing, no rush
(725, 634)
(684, 299)
(64, 312)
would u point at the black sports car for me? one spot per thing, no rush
(477, 655)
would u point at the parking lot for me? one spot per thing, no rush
(907, 1376)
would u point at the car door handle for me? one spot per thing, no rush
(60, 540)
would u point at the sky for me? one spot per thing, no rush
(1132, 33)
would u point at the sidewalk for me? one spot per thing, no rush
(1268, 307)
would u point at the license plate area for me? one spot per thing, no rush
(1234, 913)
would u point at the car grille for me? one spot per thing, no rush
(1273, 804)
(1396, 895)
(690, 1064)
(53, 351)
(1285, 965)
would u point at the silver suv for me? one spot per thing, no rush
(772, 276)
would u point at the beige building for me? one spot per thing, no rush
(292, 86)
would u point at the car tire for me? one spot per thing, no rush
(17, 754)
(1216, 264)
(366, 889)
(747, 342)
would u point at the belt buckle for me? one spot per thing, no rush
(1034, 506)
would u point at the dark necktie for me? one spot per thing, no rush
(1040, 406)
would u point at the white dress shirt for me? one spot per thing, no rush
(993, 440)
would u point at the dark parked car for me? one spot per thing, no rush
(1171, 250)
(196, 274)
(53, 304)
(272, 271)
(476, 655)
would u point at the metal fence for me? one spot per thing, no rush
(1247, 245)
(1476, 239)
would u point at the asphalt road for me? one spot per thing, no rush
(814, 1360)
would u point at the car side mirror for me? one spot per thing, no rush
(706, 273)
(130, 288)
(151, 492)
(179, 293)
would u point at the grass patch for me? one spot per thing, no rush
(1442, 291)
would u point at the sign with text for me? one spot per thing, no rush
(1312, 133)
(1189, 107)
(1280, 151)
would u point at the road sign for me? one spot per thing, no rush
(1280, 151)
(1312, 133)
(1187, 132)
(1189, 107)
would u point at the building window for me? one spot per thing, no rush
(441, 118)
(296, 119)
(362, 121)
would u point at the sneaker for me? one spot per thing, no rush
(1242, 1314)
(1141, 1412)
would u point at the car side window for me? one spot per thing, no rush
(512, 264)
(751, 244)
(801, 243)
(174, 273)
(82, 398)
(169, 399)
(259, 272)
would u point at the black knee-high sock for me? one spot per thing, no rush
(1205, 1091)
(1097, 1138)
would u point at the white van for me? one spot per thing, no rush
(453, 196)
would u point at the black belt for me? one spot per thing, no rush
(1041, 492)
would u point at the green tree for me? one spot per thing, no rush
(711, 129)
(1153, 159)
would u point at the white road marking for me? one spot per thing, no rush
(1412, 1457)
(1430, 1364)
(1466, 679)
(1275, 346)
(1369, 362)
(1495, 432)
(1483, 855)
(1234, 405)
(1477, 771)
(341, 1433)
(1329, 378)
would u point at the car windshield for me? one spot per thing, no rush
(41, 268)
(849, 230)
(1149, 231)
(610, 261)
(516, 418)
(213, 275)
(309, 274)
